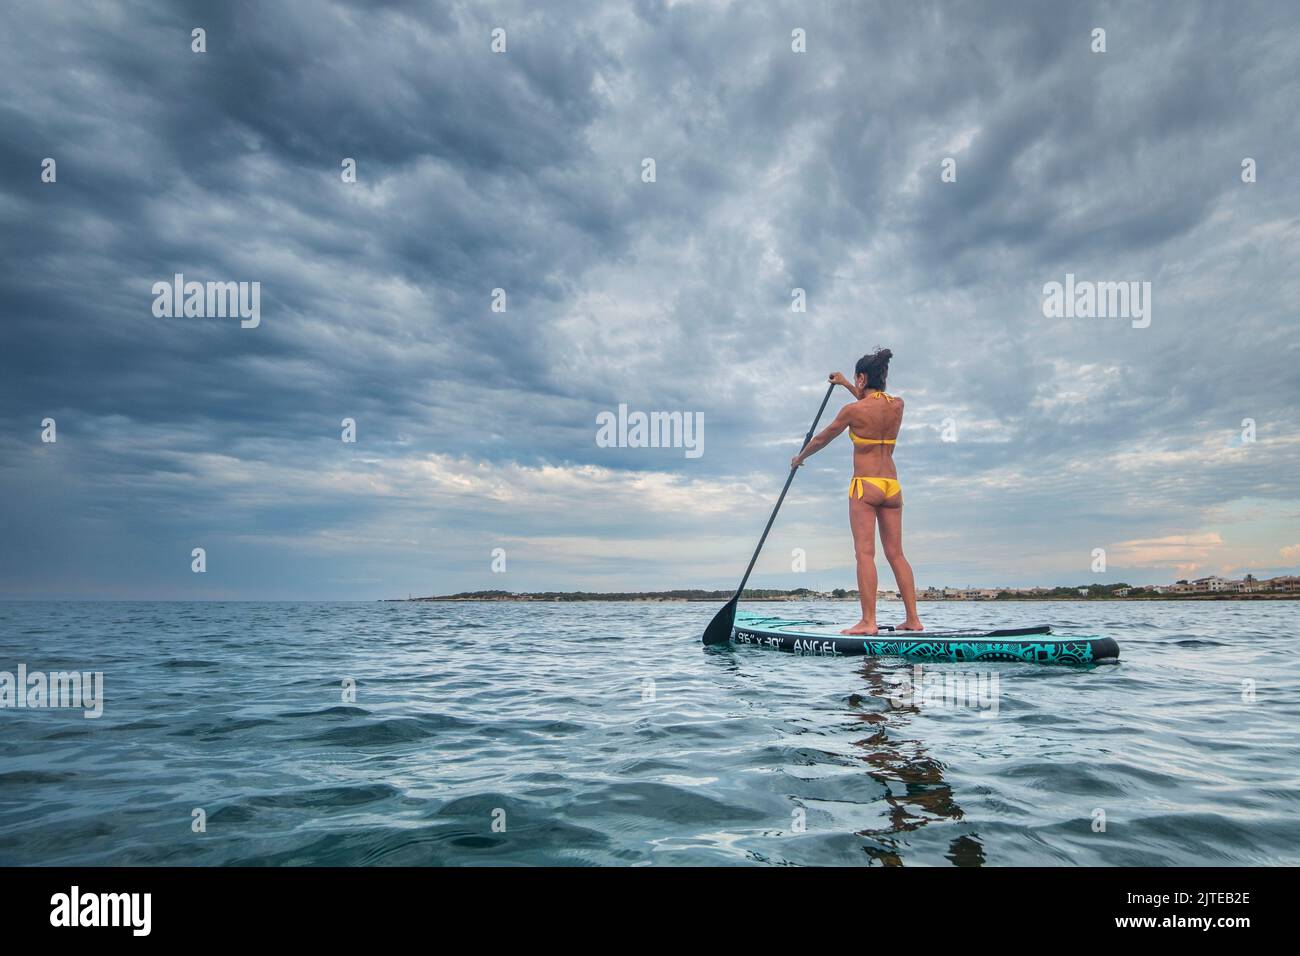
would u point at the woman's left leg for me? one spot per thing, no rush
(862, 519)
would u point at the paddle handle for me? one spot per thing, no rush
(806, 439)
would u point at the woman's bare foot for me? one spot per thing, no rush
(911, 625)
(862, 627)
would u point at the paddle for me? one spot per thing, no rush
(719, 629)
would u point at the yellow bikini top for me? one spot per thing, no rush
(859, 440)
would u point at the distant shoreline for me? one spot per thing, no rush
(714, 597)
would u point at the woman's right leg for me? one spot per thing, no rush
(862, 519)
(891, 539)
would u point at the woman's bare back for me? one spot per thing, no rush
(872, 417)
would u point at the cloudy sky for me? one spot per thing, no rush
(522, 170)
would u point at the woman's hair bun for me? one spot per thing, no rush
(875, 367)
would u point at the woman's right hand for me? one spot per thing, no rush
(838, 379)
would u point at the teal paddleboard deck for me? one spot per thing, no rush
(1034, 645)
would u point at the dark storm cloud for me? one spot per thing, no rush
(521, 171)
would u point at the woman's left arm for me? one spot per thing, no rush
(838, 379)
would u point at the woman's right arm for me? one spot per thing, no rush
(823, 438)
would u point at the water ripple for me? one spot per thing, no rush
(603, 734)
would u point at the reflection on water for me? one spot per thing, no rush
(915, 790)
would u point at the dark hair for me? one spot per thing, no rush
(875, 367)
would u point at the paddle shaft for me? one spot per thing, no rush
(806, 439)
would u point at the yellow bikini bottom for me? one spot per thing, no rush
(889, 486)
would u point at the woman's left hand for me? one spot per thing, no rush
(796, 461)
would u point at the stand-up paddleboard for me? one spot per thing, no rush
(1029, 644)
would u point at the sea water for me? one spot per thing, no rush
(605, 734)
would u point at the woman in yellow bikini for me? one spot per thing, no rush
(875, 496)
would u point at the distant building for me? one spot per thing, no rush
(1211, 585)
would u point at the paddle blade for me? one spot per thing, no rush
(719, 629)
